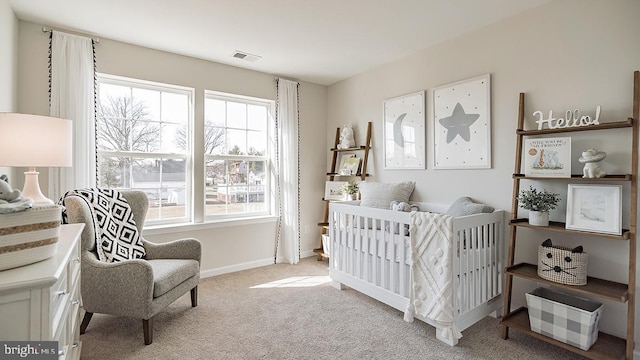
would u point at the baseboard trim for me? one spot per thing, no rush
(245, 266)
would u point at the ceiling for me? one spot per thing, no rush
(319, 41)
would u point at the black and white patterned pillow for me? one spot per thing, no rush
(117, 237)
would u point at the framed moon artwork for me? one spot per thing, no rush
(404, 132)
(462, 124)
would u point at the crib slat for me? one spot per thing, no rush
(464, 271)
(384, 283)
(476, 265)
(393, 281)
(486, 264)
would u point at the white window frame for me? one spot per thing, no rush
(189, 155)
(268, 195)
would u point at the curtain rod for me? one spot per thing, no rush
(95, 39)
(276, 78)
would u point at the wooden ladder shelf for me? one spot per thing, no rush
(333, 173)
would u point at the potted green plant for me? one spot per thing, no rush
(349, 190)
(539, 203)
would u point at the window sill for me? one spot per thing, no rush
(179, 228)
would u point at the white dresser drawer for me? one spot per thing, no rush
(62, 337)
(74, 266)
(59, 299)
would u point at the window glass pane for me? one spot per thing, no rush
(256, 179)
(113, 91)
(214, 112)
(236, 142)
(257, 143)
(114, 172)
(215, 180)
(236, 115)
(214, 140)
(174, 139)
(257, 117)
(179, 140)
(175, 108)
(144, 136)
(150, 99)
(165, 182)
(111, 131)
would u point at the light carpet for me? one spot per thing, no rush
(292, 312)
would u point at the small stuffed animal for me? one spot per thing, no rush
(592, 167)
(346, 138)
(406, 207)
(7, 194)
(403, 206)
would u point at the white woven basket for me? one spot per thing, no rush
(559, 264)
(28, 236)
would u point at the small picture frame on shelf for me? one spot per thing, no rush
(333, 190)
(594, 208)
(349, 165)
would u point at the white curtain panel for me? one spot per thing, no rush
(72, 91)
(287, 168)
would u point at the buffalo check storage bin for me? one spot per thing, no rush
(566, 318)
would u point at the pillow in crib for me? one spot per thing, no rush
(379, 195)
(465, 206)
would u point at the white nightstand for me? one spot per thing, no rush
(42, 301)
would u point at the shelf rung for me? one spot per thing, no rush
(597, 287)
(560, 226)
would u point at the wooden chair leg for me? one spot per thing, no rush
(85, 322)
(147, 328)
(194, 297)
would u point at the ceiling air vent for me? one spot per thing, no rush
(246, 56)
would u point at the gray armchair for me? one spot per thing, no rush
(137, 288)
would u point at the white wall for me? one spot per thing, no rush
(8, 62)
(564, 55)
(225, 248)
(8, 66)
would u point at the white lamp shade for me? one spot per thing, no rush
(35, 141)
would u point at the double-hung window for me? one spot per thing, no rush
(147, 139)
(237, 162)
(144, 142)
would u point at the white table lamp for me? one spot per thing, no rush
(35, 141)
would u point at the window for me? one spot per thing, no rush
(236, 157)
(143, 142)
(147, 139)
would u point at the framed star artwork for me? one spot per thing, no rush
(462, 124)
(404, 132)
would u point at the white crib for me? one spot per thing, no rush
(362, 258)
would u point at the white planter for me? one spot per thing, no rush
(538, 218)
(349, 197)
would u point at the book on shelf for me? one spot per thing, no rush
(547, 157)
